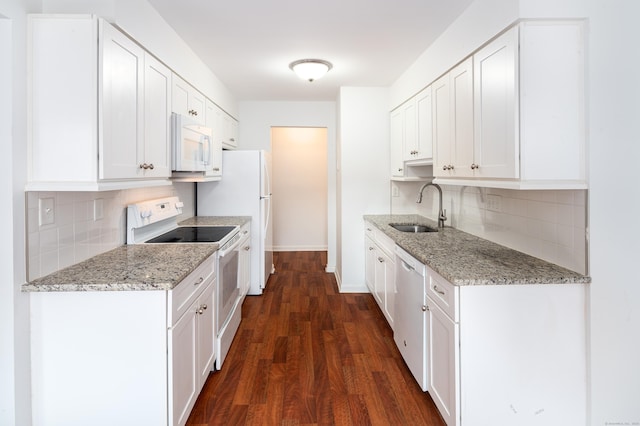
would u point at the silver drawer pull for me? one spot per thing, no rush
(380, 260)
(199, 281)
(437, 290)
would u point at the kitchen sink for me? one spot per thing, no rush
(415, 228)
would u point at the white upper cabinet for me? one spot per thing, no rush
(411, 134)
(528, 112)
(423, 148)
(213, 122)
(186, 100)
(87, 108)
(396, 128)
(453, 122)
(157, 118)
(496, 147)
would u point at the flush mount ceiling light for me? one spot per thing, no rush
(310, 69)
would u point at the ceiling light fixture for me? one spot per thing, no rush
(310, 69)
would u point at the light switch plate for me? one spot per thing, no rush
(47, 211)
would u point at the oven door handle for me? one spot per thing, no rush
(230, 246)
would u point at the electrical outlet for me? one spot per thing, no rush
(494, 203)
(98, 209)
(47, 211)
(395, 192)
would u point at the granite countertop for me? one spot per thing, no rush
(464, 259)
(136, 267)
(215, 221)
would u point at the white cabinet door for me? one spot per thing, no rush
(229, 131)
(157, 119)
(396, 126)
(121, 104)
(442, 139)
(462, 119)
(389, 286)
(444, 368)
(183, 377)
(213, 116)
(186, 100)
(370, 264)
(424, 125)
(453, 122)
(206, 331)
(244, 261)
(496, 112)
(409, 138)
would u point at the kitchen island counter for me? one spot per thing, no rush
(464, 259)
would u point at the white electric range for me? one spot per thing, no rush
(155, 222)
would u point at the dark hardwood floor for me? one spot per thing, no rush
(308, 355)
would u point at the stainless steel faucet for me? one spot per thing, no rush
(442, 214)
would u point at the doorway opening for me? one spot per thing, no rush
(300, 188)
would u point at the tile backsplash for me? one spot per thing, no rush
(550, 225)
(85, 224)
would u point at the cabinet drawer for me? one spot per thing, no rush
(370, 230)
(189, 289)
(443, 293)
(385, 243)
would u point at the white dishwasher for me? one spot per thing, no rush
(410, 331)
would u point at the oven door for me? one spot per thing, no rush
(228, 291)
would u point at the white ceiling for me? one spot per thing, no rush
(248, 44)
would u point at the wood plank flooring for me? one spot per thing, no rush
(308, 355)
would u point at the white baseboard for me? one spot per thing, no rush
(353, 288)
(330, 269)
(300, 248)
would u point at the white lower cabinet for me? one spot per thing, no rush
(380, 269)
(122, 357)
(507, 354)
(443, 359)
(191, 343)
(244, 260)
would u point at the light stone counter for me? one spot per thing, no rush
(464, 259)
(135, 267)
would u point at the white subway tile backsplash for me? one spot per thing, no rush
(550, 225)
(76, 236)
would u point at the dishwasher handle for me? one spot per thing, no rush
(406, 266)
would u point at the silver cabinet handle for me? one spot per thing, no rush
(247, 248)
(381, 260)
(474, 166)
(199, 281)
(437, 290)
(371, 248)
(151, 166)
(216, 169)
(424, 308)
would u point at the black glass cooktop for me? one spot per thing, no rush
(194, 234)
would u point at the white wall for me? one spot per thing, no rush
(257, 119)
(15, 389)
(614, 132)
(364, 182)
(299, 172)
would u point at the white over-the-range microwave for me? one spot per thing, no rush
(192, 145)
